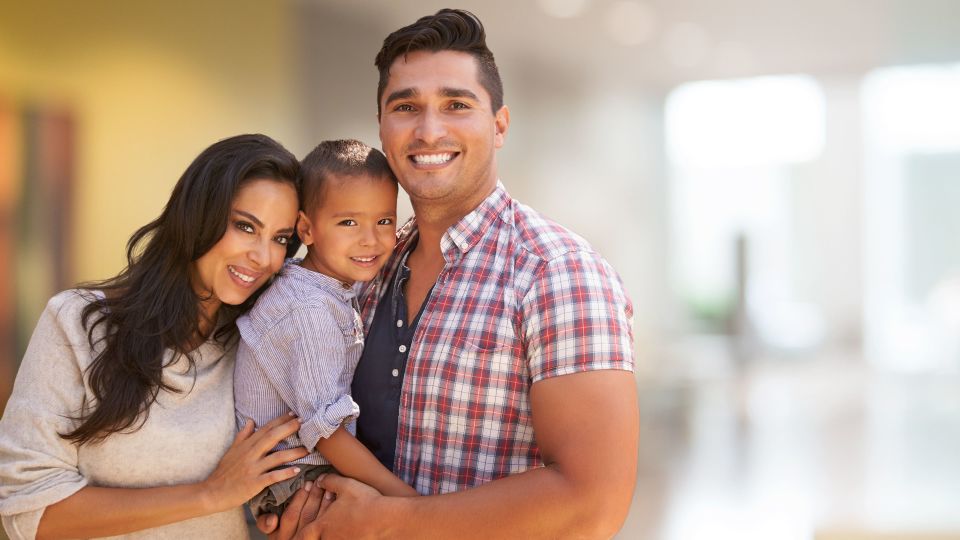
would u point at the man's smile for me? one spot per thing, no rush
(438, 159)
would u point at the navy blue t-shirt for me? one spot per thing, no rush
(378, 378)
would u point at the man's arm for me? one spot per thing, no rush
(587, 427)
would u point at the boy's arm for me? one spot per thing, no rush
(313, 378)
(351, 458)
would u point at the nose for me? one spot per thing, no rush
(430, 127)
(259, 253)
(368, 236)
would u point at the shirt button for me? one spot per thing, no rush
(399, 323)
(403, 348)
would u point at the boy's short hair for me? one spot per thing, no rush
(344, 157)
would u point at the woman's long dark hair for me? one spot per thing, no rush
(151, 306)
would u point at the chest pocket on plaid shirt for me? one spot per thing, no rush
(494, 363)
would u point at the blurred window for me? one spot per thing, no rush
(911, 118)
(733, 146)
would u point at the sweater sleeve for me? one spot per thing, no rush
(37, 466)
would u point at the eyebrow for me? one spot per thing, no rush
(446, 91)
(259, 223)
(405, 93)
(458, 93)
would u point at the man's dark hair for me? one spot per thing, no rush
(446, 30)
(344, 157)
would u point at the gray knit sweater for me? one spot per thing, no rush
(181, 442)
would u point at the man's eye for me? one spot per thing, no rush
(404, 107)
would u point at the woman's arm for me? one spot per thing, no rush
(242, 473)
(351, 458)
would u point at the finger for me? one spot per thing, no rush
(291, 516)
(279, 475)
(276, 459)
(279, 421)
(332, 482)
(266, 523)
(245, 431)
(328, 498)
(312, 507)
(267, 437)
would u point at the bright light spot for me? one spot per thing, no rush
(914, 108)
(762, 120)
(631, 23)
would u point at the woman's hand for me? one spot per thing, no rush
(247, 466)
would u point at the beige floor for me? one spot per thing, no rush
(797, 448)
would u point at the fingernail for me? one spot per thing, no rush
(296, 470)
(328, 496)
(307, 486)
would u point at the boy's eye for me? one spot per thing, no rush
(347, 223)
(244, 226)
(385, 221)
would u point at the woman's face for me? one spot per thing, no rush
(261, 222)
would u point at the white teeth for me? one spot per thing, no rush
(363, 259)
(243, 277)
(432, 159)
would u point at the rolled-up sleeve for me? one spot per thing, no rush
(37, 466)
(305, 359)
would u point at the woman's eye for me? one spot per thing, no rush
(244, 226)
(283, 240)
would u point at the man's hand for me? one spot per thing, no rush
(352, 513)
(304, 507)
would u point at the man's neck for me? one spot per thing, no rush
(433, 219)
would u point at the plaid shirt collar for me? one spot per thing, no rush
(467, 232)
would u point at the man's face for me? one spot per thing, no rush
(437, 128)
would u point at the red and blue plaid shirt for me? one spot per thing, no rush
(520, 300)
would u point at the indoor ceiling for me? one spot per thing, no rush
(669, 41)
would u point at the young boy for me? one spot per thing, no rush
(302, 340)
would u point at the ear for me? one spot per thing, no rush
(304, 229)
(501, 125)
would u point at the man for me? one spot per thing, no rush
(497, 376)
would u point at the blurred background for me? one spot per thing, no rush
(777, 182)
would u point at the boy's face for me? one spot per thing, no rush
(350, 235)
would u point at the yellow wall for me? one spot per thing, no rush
(150, 86)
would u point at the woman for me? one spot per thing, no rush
(121, 417)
